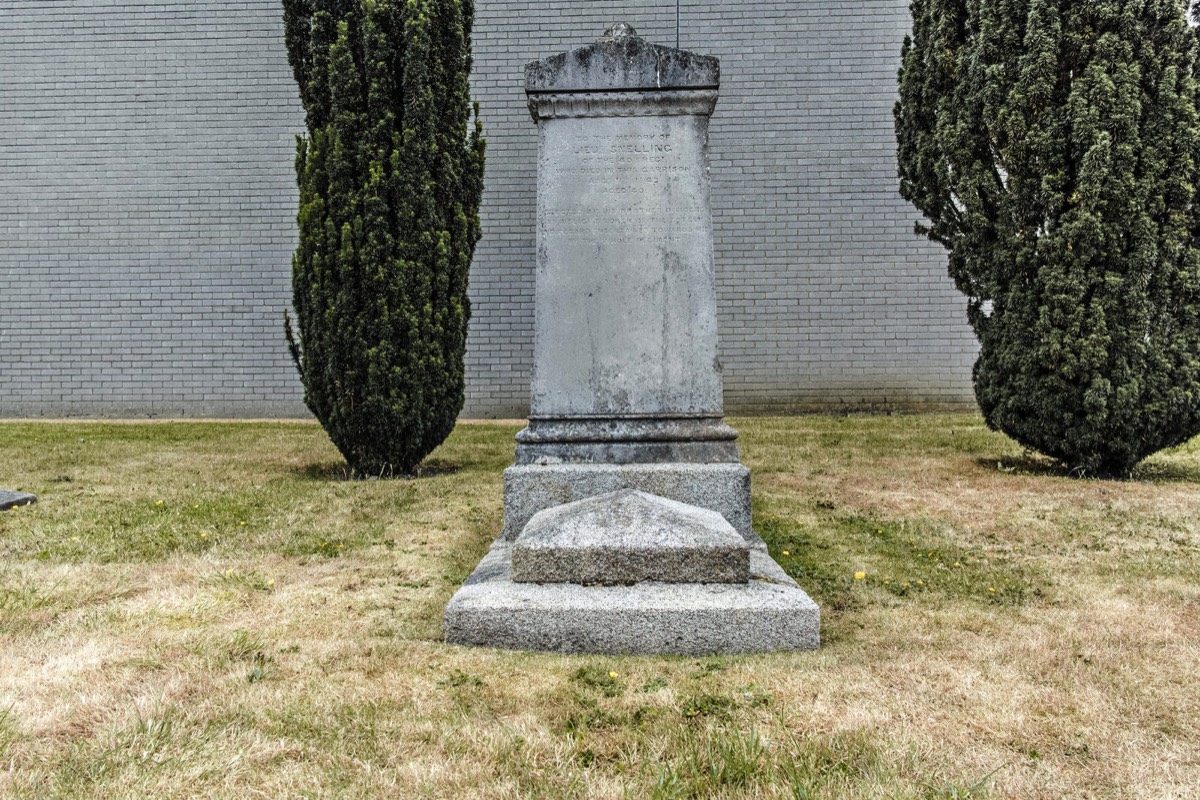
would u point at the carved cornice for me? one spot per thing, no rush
(560, 105)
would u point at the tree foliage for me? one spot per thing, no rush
(1054, 148)
(390, 181)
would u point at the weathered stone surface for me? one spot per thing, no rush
(621, 60)
(624, 440)
(626, 537)
(10, 499)
(724, 488)
(768, 613)
(625, 301)
(625, 242)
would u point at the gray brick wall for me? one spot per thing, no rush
(148, 206)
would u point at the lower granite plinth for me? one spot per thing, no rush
(770, 613)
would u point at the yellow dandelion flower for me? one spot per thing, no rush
(203, 535)
(992, 589)
(229, 571)
(74, 538)
(243, 522)
(271, 582)
(858, 576)
(612, 675)
(159, 503)
(787, 552)
(957, 564)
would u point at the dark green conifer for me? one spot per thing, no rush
(390, 181)
(1054, 148)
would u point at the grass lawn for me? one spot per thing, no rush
(213, 610)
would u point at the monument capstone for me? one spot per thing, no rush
(627, 512)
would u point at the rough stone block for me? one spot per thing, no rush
(10, 499)
(769, 613)
(724, 488)
(627, 537)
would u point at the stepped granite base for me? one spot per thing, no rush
(770, 613)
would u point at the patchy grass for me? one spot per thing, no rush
(218, 610)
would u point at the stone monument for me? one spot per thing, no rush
(627, 513)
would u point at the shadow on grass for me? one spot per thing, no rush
(1026, 464)
(849, 561)
(1159, 472)
(341, 471)
(1033, 465)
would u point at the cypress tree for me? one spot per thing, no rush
(1054, 148)
(390, 181)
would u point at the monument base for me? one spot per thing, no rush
(770, 613)
(530, 488)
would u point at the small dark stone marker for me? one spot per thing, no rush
(10, 499)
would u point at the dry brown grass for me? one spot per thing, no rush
(298, 655)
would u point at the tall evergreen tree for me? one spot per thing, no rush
(390, 182)
(1054, 148)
